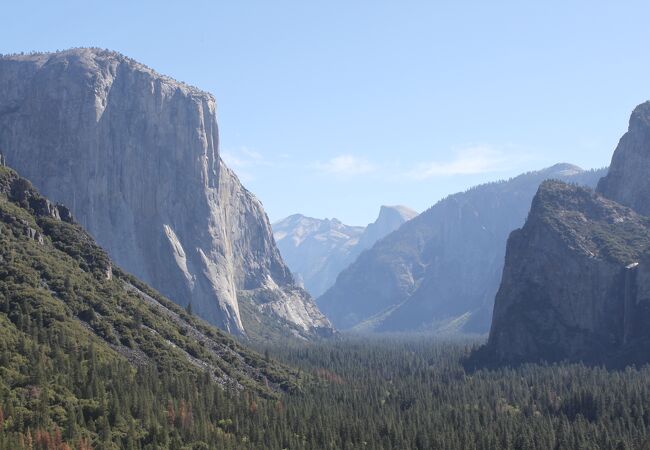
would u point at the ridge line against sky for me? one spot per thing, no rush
(331, 109)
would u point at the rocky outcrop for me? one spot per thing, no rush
(390, 219)
(317, 250)
(135, 155)
(440, 271)
(628, 179)
(576, 282)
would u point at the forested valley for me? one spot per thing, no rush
(358, 392)
(155, 310)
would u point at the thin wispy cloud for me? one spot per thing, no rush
(471, 160)
(244, 157)
(244, 162)
(346, 165)
(479, 159)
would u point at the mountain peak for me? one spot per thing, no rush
(390, 218)
(317, 250)
(640, 117)
(564, 169)
(404, 212)
(627, 181)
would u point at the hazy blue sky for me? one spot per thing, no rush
(333, 108)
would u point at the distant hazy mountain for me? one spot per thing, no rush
(441, 270)
(317, 250)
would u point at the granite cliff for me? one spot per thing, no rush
(390, 218)
(135, 155)
(440, 271)
(317, 250)
(628, 179)
(576, 283)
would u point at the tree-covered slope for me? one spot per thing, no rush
(92, 357)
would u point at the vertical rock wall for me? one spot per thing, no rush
(135, 155)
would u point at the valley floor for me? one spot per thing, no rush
(414, 393)
(396, 392)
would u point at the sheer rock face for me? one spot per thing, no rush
(390, 219)
(576, 282)
(135, 155)
(441, 270)
(628, 180)
(317, 250)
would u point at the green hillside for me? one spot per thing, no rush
(92, 358)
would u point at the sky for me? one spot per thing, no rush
(334, 108)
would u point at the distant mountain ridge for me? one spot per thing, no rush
(440, 271)
(316, 250)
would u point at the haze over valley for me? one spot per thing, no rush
(416, 226)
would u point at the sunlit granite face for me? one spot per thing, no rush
(135, 155)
